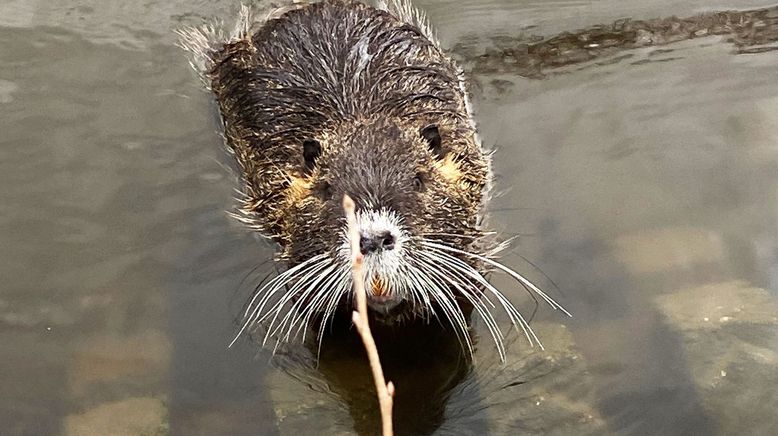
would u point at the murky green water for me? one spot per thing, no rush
(645, 186)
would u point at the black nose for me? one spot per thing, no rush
(377, 242)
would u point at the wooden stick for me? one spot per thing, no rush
(384, 389)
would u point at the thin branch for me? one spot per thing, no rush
(384, 389)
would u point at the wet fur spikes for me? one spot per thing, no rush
(204, 42)
(323, 99)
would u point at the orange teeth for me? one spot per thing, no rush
(379, 286)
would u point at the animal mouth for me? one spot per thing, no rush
(380, 296)
(380, 287)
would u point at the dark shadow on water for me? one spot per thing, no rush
(424, 360)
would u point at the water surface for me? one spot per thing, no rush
(645, 186)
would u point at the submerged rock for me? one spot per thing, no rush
(130, 417)
(730, 331)
(535, 392)
(102, 365)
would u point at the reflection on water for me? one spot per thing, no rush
(644, 185)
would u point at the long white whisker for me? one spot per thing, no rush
(281, 276)
(514, 315)
(267, 290)
(345, 286)
(465, 290)
(503, 268)
(315, 303)
(446, 299)
(414, 273)
(419, 300)
(491, 323)
(311, 288)
(299, 280)
(290, 293)
(274, 286)
(480, 235)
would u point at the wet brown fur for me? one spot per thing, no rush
(363, 83)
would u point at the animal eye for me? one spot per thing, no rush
(431, 134)
(325, 191)
(311, 151)
(418, 182)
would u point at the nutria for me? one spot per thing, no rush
(322, 99)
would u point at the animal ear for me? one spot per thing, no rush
(431, 134)
(311, 151)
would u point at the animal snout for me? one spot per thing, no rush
(376, 242)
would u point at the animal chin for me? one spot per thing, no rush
(383, 304)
